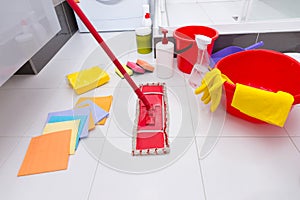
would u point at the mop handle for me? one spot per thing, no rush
(110, 54)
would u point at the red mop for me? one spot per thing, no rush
(150, 134)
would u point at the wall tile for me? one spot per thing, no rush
(282, 42)
(241, 40)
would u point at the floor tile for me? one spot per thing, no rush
(161, 184)
(21, 108)
(235, 126)
(296, 141)
(7, 145)
(292, 123)
(73, 183)
(121, 149)
(252, 168)
(57, 100)
(202, 119)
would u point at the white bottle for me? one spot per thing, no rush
(147, 21)
(164, 57)
(202, 64)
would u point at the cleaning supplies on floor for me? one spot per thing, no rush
(164, 57)
(127, 69)
(136, 68)
(82, 124)
(203, 60)
(150, 136)
(66, 125)
(103, 102)
(144, 33)
(267, 106)
(47, 153)
(151, 104)
(97, 112)
(211, 87)
(145, 65)
(143, 40)
(88, 79)
(61, 134)
(215, 57)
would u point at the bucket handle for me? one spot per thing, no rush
(184, 49)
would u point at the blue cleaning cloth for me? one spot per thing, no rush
(97, 112)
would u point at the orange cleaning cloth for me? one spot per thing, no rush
(103, 102)
(46, 153)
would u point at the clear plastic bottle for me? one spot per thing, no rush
(203, 61)
(147, 21)
(164, 57)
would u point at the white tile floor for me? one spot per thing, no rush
(213, 156)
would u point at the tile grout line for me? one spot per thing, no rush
(13, 149)
(291, 140)
(200, 169)
(196, 144)
(100, 153)
(95, 173)
(294, 144)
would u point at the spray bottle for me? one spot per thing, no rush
(164, 57)
(203, 59)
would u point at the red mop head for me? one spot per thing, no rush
(150, 135)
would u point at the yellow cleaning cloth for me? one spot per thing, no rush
(267, 106)
(211, 86)
(88, 79)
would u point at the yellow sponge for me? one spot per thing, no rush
(87, 79)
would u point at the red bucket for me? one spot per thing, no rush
(264, 69)
(186, 47)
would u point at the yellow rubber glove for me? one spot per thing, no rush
(211, 86)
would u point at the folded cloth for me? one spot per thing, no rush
(103, 102)
(88, 79)
(267, 106)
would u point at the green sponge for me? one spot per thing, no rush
(128, 70)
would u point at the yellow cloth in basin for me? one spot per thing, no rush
(88, 79)
(267, 106)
